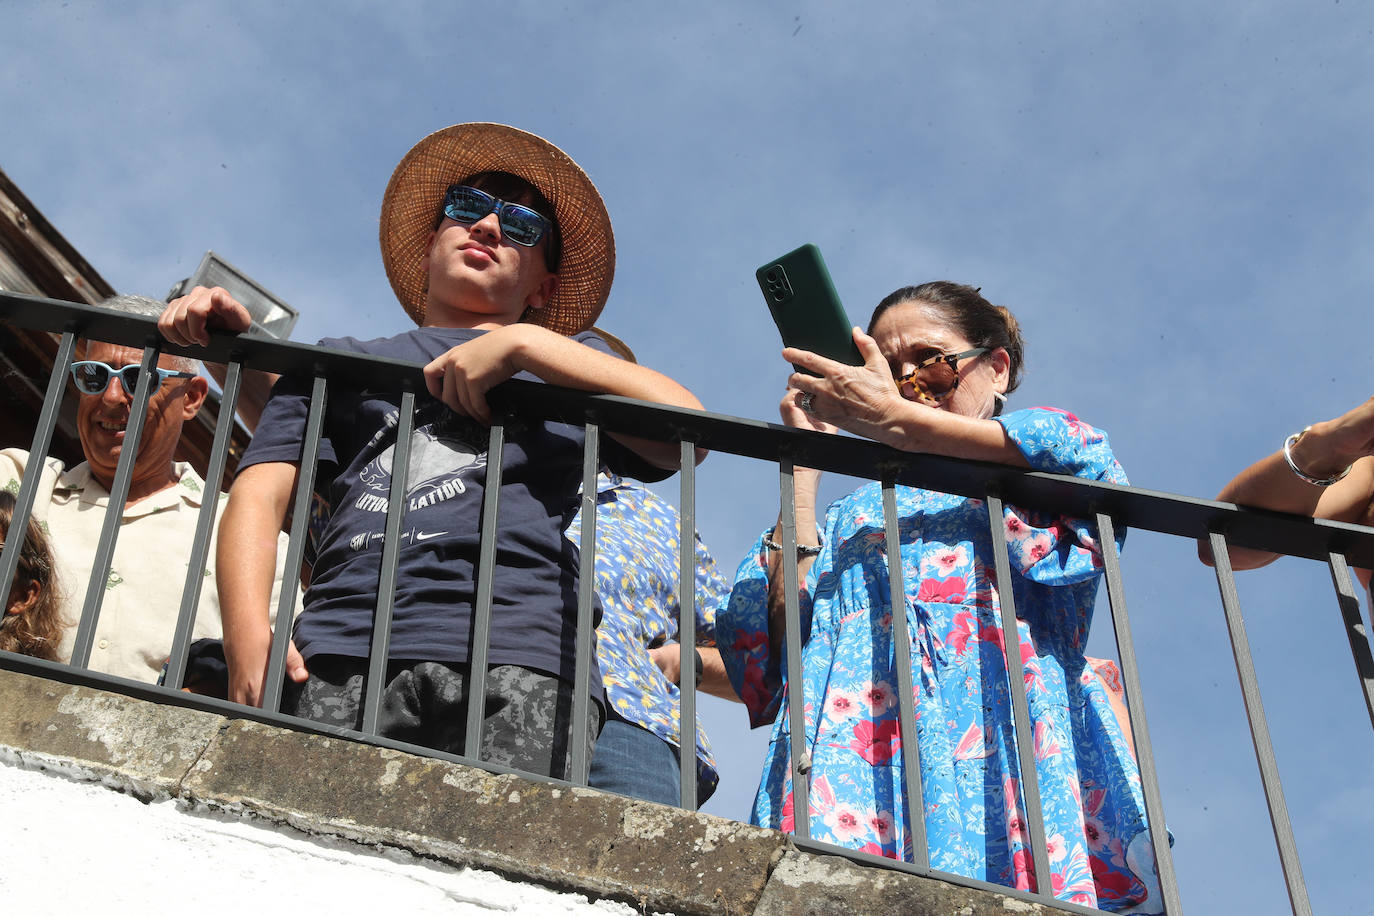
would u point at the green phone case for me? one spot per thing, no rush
(805, 306)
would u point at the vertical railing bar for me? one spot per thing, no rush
(796, 689)
(33, 471)
(275, 684)
(380, 650)
(479, 635)
(1259, 728)
(205, 525)
(906, 682)
(586, 607)
(1135, 708)
(687, 624)
(1016, 677)
(114, 512)
(1355, 631)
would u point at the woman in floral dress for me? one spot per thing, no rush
(939, 360)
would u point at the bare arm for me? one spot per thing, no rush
(714, 680)
(462, 377)
(246, 561)
(865, 401)
(1323, 451)
(806, 484)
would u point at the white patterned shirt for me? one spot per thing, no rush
(147, 573)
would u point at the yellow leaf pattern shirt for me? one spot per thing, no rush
(637, 580)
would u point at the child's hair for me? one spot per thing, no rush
(37, 631)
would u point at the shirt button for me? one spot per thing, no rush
(104, 644)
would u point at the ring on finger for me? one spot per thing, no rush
(805, 401)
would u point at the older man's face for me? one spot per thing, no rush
(103, 419)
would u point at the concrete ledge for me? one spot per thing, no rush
(571, 839)
(141, 748)
(804, 884)
(657, 858)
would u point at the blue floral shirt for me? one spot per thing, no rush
(637, 581)
(1092, 802)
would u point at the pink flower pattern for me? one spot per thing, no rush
(882, 826)
(879, 698)
(1090, 791)
(840, 704)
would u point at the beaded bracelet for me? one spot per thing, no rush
(1299, 472)
(803, 550)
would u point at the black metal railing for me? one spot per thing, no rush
(1112, 507)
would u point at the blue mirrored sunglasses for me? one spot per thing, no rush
(519, 223)
(93, 377)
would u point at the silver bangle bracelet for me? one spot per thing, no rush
(1299, 472)
(803, 550)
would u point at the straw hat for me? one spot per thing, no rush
(618, 346)
(448, 156)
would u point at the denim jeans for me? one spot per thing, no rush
(633, 761)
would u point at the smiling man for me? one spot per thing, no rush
(500, 249)
(148, 571)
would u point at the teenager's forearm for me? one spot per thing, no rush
(247, 560)
(561, 361)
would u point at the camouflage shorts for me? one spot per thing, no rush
(526, 726)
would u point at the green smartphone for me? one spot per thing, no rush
(805, 306)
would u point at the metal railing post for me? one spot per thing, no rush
(687, 624)
(1355, 631)
(1016, 678)
(274, 686)
(33, 470)
(1259, 729)
(479, 636)
(586, 602)
(796, 688)
(378, 654)
(1135, 708)
(906, 681)
(114, 512)
(205, 523)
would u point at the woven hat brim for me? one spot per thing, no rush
(454, 153)
(618, 346)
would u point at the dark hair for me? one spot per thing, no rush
(36, 632)
(514, 188)
(964, 309)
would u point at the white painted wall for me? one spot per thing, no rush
(75, 847)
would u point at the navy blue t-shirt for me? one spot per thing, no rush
(534, 605)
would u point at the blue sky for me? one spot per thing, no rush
(1173, 197)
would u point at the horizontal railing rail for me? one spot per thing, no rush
(1111, 507)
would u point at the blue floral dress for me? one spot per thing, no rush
(1094, 812)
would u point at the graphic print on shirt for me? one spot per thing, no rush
(447, 452)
